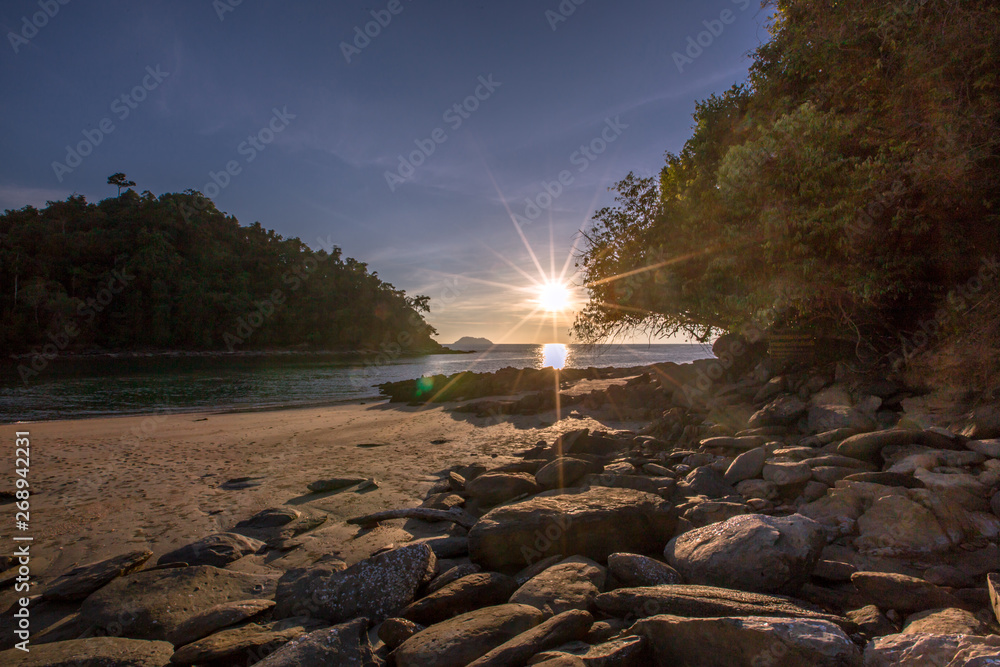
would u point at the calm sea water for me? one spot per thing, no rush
(75, 389)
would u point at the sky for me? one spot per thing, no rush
(459, 148)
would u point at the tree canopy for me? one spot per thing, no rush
(173, 272)
(847, 188)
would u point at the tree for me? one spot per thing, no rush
(121, 181)
(846, 190)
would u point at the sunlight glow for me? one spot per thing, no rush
(554, 355)
(554, 297)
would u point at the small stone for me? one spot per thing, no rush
(216, 550)
(872, 621)
(270, 518)
(395, 631)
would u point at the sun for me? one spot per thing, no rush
(554, 297)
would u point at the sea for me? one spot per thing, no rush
(77, 388)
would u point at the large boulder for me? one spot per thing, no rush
(571, 584)
(562, 472)
(565, 627)
(633, 570)
(720, 642)
(922, 650)
(751, 552)
(153, 604)
(81, 581)
(747, 465)
(216, 550)
(891, 590)
(376, 588)
(494, 488)
(894, 525)
(949, 621)
(92, 652)
(345, 645)
(593, 523)
(782, 411)
(216, 618)
(463, 639)
(244, 644)
(707, 602)
(461, 596)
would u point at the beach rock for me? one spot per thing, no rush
(782, 411)
(452, 574)
(771, 388)
(824, 418)
(395, 631)
(153, 604)
(833, 570)
(747, 465)
(562, 472)
(466, 638)
(757, 488)
(924, 650)
(905, 594)
(620, 652)
(494, 488)
(720, 642)
(787, 473)
(742, 443)
(698, 514)
(948, 575)
(216, 550)
(886, 479)
(245, 644)
(466, 594)
(869, 446)
(989, 448)
(344, 645)
(635, 570)
(752, 552)
(548, 659)
(216, 618)
(661, 486)
(872, 622)
(565, 627)
(273, 517)
(706, 602)
(570, 584)
(442, 501)
(91, 652)
(945, 622)
(995, 504)
(896, 526)
(830, 475)
(335, 484)
(593, 523)
(705, 481)
(376, 588)
(81, 581)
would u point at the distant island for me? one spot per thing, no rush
(470, 341)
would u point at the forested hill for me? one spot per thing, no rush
(139, 272)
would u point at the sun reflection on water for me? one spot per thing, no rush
(554, 354)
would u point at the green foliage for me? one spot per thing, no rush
(140, 272)
(844, 189)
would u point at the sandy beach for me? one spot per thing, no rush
(102, 487)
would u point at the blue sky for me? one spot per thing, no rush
(173, 92)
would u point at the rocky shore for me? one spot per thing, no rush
(765, 515)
